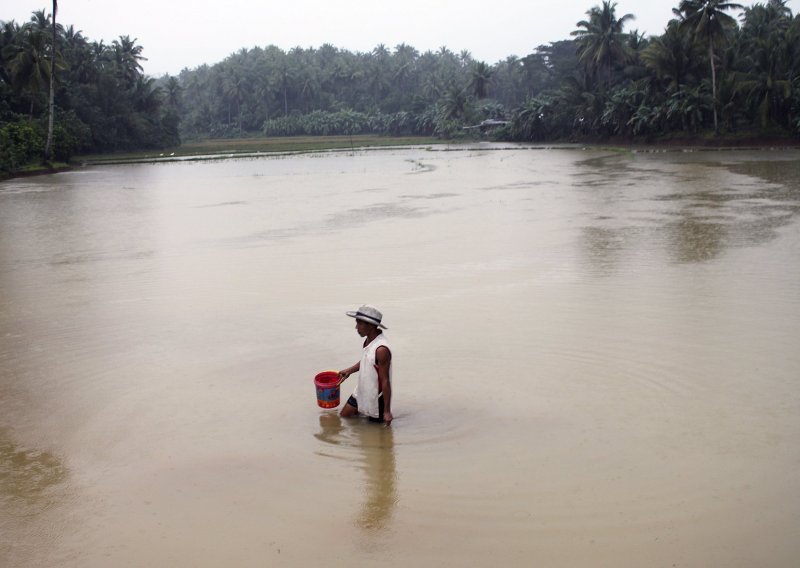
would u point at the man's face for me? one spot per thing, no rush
(362, 328)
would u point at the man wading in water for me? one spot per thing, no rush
(373, 393)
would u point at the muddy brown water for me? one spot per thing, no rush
(596, 360)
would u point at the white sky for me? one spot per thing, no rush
(187, 33)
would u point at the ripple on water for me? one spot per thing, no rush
(27, 478)
(420, 427)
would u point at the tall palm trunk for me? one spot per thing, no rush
(285, 99)
(713, 83)
(49, 145)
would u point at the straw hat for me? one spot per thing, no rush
(368, 314)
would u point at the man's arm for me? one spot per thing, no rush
(344, 373)
(383, 361)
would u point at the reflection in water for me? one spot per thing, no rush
(603, 247)
(31, 485)
(26, 476)
(693, 212)
(375, 445)
(696, 240)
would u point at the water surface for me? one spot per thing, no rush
(595, 357)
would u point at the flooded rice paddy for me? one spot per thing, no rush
(596, 360)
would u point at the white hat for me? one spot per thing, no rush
(368, 314)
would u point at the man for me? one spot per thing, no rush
(373, 393)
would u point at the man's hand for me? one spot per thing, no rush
(344, 374)
(387, 417)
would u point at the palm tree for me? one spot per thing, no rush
(766, 79)
(40, 21)
(404, 59)
(27, 63)
(147, 96)
(708, 22)
(531, 119)
(480, 75)
(507, 81)
(379, 80)
(173, 92)
(9, 32)
(671, 57)
(51, 106)
(127, 56)
(287, 74)
(445, 66)
(76, 50)
(231, 86)
(602, 43)
(454, 104)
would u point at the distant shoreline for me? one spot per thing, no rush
(221, 149)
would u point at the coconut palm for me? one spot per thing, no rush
(127, 56)
(379, 71)
(404, 60)
(172, 91)
(766, 44)
(51, 106)
(535, 119)
(709, 23)
(601, 41)
(75, 50)
(480, 75)
(233, 86)
(40, 21)
(672, 57)
(287, 75)
(507, 80)
(454, 104)
(27, 64)
(9, 32)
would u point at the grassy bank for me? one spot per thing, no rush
(224, 148)
(221, 148)
(36, 170)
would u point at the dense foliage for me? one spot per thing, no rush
(707, 72)
(103, 101)
(603, 82)
(330, 90)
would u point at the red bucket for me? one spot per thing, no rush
(327, 383)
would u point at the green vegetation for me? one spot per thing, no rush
(708, 76)
(224, 147)
(704, 74)
(101, 101)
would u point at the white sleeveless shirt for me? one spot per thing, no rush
(366, 392)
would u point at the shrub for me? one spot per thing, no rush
(20, 143)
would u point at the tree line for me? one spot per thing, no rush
(102, 100)
(705, 72)
(708, 72)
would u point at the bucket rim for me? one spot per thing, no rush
(331, 376)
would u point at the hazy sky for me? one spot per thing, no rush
(187, 33)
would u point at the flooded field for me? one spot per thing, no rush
(596, 360)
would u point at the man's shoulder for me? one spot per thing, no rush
(383, 351)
